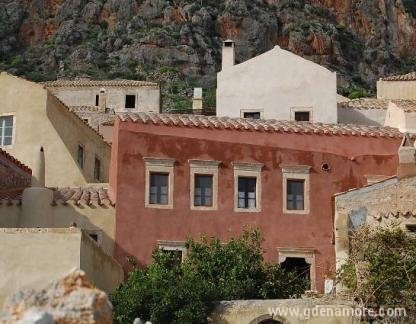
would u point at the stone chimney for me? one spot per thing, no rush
(36, 200)
(197, 101)
(228, 54)
(102, 100)
(407, 158)
(38, 170)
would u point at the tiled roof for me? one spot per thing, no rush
(404, 77)
(62, 83)
(271, 126)
(90, 196)
(85, 108)
(11, 197)
(365, 103)
(406, 105)
(15, 161)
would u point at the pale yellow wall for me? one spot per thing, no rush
(41, 120)
(104, 272)
(276, 82)
(31, 258)
(147, 98)
(396, 90)
(398, 118)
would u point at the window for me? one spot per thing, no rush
(80, 156)
(176, 248)
(94, 236)
(130, 102)
(295, 194)
(246, 192)
(252, 115)
(97, 169)
(158, 193)
(204, 184)
(296, 189)
(302, 115)
(159, 179)
(6, 130)
(247, 187)
(203, 190)
(411, 229)
(97, 100)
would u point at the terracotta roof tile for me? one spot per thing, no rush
(15, 161)
(404, 77)
(85, 108)
(89, 196)
(365, 103)
(272, 125)
(62, 83)
(11, 197)
(406, 105)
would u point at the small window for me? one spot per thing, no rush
(97, 169)
(302, 115)
(247, 192)
(252, 115)
(295, 194)
(411, 228)
(6, 130)
(94, 236)
(80, 156)
(97, 100)
(158, 194)
(130, 101)
(203, 190)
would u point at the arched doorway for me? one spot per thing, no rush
(270, 321)
(266, 319)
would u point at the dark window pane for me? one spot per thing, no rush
(97, 100)
(97, 169)
(80, 156)
(130, 101)
(302, 116)
(247, 192)
(295, 194)
(203, 190)
(159, 188)
(252, 115)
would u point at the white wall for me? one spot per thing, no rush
(275, 82)
(372, 117)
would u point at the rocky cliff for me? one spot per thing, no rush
(179, 41)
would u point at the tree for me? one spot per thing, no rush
(169, 291)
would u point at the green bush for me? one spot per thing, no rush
(169, 291)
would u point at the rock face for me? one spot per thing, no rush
(71, 299)
(361, 40)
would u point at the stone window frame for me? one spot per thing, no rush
(294, 110)
(10, 114)
(249, 170)
(159, 165)
(173, 246)
(204, 167)
(130, 93)
(306, 253)
(296, 172)
(261, 111)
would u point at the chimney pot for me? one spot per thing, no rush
(228, 54)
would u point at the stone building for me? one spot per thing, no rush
(32, 117)
(98, 101)
(176, 176)
(397, 87)
(46, 232)
(383, 203)
(276, 85)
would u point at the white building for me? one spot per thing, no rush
(276, 85)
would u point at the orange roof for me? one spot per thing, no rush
(15, 161)
(82, 196)
(404, 77)
(260, 125)
(62, 83)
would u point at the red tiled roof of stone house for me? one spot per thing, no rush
(62, 83)
(405, 105)
(87, 196)
(403, 77)
(364, 103)
(259, 125)
(15, 161)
